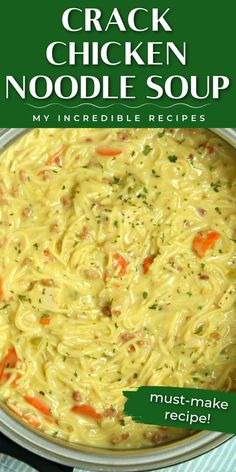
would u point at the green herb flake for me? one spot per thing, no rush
(216, 186)
(172, 158)
(4, 306)
(122, 422)
(145, 295)
(153, 307)
(147, 149)
(199, 329)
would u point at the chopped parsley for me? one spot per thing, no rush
(147, 149)
(24, 298)
(199, 329)
(153, 307)
(172, 158)
(145, 295)
(161, 134)
(216, 186)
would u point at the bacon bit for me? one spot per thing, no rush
(147, 262)
(92, 274)
(86, 410)
(54, 228)
(45, 321)
(121, 438)
(88, 140)
(48, 282)
(201, 211)
(77, 396)
(3, 242)
(123, 135)
(203, 241)
(131, 348)
(22, 176)
(26, 261)
(116, 312)
(106, 276)
(119, 263)
(140, 342)
(44, 174)
(84, 234)
(210, 149)
(155, 438)
(204, 196)
(47, 253)
(191, 157)
(110, 413)
(38, 404)
(171, 260)
(127, 336)
(56, 158)
(106, 310)
(180, 269)
(26, 212)
(65, 201)
(204, 277)
(215, 336)
(15, 191)
(106, 152)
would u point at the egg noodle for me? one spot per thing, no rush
(117, 251)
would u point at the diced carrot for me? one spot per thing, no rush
(56, 158)
(203, 241)
(210, 149)
(38, 405)
(86, 410)
(119, 262)
(215, 336)
(147, 262)
(9, 362)
(45, 321)
(108, 152)
(47, 253)
(1, 288)
(10, 359)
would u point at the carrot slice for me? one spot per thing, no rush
(1, 288)
(203, 241)
(38, 405)
(119, 262)
(56, 158)
(9, 362)
(86, 410)
(108, 152)
(45, 321)
(147, 262)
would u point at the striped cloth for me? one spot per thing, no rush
(8, 464)
(221, 459)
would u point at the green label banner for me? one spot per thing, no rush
(71, 63)
(183, 408)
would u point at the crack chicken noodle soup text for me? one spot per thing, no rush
(117, 252)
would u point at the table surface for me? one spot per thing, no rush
(11, 449)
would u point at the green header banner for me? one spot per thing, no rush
(71, 63)
(183, 408)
